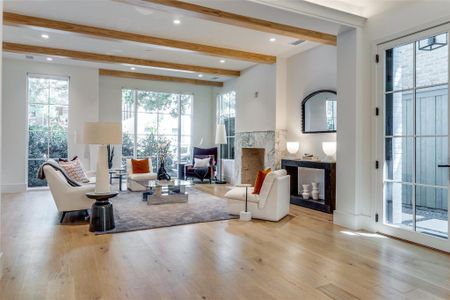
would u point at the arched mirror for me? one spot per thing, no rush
(319, 112)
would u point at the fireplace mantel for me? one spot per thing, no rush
(328, 203)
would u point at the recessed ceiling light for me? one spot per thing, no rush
(200, 75)
(272, 39)
(45, 36)
(222, 61)
(176, 22)
(133, 68)
(49, 59)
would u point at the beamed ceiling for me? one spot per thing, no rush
(127, 38)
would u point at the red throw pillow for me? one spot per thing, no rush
(260, 180)
(140, 166)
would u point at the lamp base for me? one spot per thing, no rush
(245, 216)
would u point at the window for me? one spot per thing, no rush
(152, 117)
(48, 115)
(226, 114)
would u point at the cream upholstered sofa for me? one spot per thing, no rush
(272, 203)
(68, 198)
(138, 182)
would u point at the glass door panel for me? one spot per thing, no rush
(416, 136)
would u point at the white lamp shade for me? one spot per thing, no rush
(102, 133)
(221, 134)
(292, 147)
(329, 148)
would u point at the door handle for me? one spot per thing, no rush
(443, 166)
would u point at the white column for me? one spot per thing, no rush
(354, 163)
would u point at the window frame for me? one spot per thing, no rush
(220, 119)
(179, 134)
(27, 114)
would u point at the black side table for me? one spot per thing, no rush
(102, 217)
(117, 174)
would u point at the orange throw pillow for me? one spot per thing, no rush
(140, 166)
(260, 180)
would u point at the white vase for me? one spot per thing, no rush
(305, 192)
(315, 190)
(315, 195)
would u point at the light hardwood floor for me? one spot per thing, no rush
(304, 256)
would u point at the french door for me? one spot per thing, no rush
(412, 139)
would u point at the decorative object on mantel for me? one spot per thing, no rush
(221, 139)
(329, 148)
(328, 204)
(310, 157)
(315, 190)
(305, 193)
(292, 148)
(319, 112)
(102, 133)
(163, 148)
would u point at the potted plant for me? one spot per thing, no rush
(163, 147)
(110, 150)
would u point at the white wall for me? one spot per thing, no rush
(308, 72)
(254, 113)
(83, 107)
(110, 104)
(1, 125)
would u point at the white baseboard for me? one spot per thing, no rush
(353, 221)
(14, 188)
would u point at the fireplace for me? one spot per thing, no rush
(252, 160)
(270, 146)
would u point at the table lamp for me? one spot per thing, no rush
(292, 148)
(221, 139)
(329, 148)
(102, 134)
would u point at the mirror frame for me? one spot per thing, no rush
(303, 110)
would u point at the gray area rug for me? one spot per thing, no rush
(131, 213)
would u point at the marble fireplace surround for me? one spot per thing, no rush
(273, 142)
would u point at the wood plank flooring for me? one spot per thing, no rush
(304, 256)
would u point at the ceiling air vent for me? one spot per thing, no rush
(29, 57)
(297, 42)
(215, 78)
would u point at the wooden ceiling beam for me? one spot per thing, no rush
(96, 57)
(220, 16)
(13, 19)
(142, 76)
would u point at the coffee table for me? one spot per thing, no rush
(166, 191)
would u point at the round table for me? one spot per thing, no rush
(102, 216)
(245, 215)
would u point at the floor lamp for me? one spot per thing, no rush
(102, 134)
(221, 139)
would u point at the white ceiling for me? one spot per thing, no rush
(126, 17)
(364, 8)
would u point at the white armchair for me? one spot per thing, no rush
(272, 203)
(67, 198)
(137, 182)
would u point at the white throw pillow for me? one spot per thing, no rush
(201, 162)
(74, 170)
